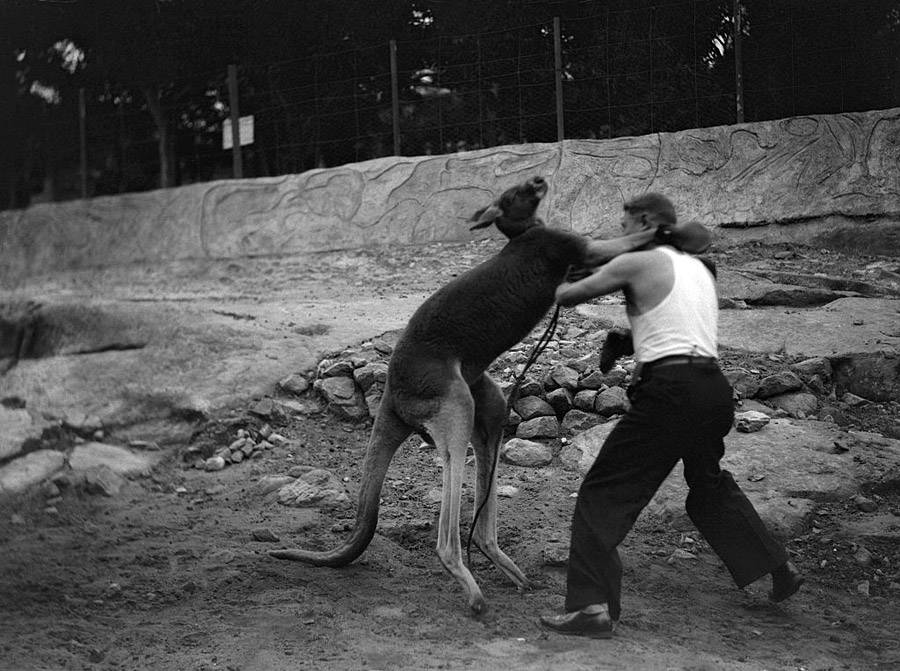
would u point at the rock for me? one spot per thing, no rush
(264, 535)
(530, 407)
(797, 404)
(743, 381)
(863, 588)
(750, 421)
(120, 459)
(270, 483)
(103, 480)
(295, 383)
(343, 397)
(612, 401)
(873, 375)
(29, 469)
(17, 427)
(560, 400)
(264, 407)
(513, 420)
(809, 368)
(373, 402)
(616, 376)
(337, 389)
(865, 504)
(507, 491)
(539, 427)
(779, 383)
(752, 404)
(525, 453)
(82, 422)
(314, 489)
(382, 346)
(853, 400)
(585, 400)
(369, 374)
(576, 421)
(579, 455)
(530, 387)
(341, 368)
(561, 376)
(594, 380)
(214, 464)
(680, 553)
(863, 557)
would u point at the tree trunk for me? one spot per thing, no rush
(152, 94)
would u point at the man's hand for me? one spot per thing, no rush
(576, 273)
(602, 251)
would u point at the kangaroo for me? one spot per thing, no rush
(437, 385)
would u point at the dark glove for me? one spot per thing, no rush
(618, 343)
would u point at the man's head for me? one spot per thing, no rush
(655, 211)
(651, 210)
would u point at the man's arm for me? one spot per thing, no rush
(601, 251)
(611, 277)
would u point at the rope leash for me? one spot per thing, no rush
(536, 351)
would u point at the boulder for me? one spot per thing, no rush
(779, 383)
(522, 452)
(530, 407)
(316, 488)
(612, 401)
(539, 427)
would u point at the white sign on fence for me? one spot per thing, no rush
(245, 128)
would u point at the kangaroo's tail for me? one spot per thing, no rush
(387, 435)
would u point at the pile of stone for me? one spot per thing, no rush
(246, 445)
(566, 393)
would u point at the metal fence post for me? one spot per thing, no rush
(395, 99)
(558, 70)
(237, 164)
(82, 141)
(738, 64)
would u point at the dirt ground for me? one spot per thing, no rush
(173, 572)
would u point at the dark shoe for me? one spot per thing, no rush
(786, 580)
(591, 621)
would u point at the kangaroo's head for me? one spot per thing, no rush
(513, 212)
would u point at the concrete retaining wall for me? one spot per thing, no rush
(830, 177)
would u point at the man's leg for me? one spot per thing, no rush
(630, 467)
(727, 518)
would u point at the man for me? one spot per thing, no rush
(681, 409)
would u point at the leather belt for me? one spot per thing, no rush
(680, 359)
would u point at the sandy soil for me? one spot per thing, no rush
(169, 574)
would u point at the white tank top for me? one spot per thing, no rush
(686, 321)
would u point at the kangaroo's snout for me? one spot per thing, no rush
(514, 211)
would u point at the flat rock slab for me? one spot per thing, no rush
(785, 468)
(30, 469)
(120, 460)
(16, 426)
(844, 326)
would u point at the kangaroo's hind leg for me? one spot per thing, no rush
(490, 417)
(450, 427)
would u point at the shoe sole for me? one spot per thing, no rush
(586, 633)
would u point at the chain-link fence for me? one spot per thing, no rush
(677, 65)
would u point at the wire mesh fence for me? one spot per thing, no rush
(615, 72)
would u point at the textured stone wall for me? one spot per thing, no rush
(831, 177)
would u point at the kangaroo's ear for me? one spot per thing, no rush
(486, 216)
(691, 237)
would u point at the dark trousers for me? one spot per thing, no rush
(682, 412)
